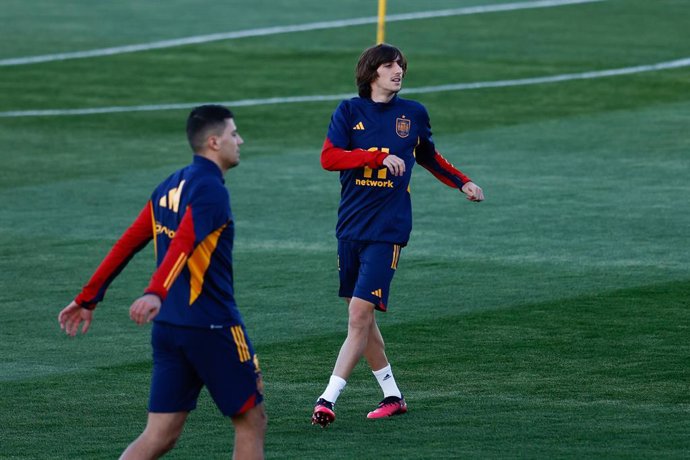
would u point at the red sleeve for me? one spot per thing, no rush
(337, 159)
(442, 169)
(175, 258)
(132, 241)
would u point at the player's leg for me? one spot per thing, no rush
(361, 315)
(375, 352)
(360, 320)
(250, 430)
(355, 281)
(393, 402)
(228, 366)
(175, 387)
(160, 435)
(348, 270)
(379, 265)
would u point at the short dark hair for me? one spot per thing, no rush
(202, 121)
(369, 62)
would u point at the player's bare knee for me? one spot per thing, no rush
(163, 433)
(358, 323)
(254, 420)
(361, 314)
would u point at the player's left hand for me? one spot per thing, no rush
(473, 192)
(145, 308)
(395, 165)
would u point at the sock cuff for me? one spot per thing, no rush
(335, 386)
(383, 372)
(337, 380)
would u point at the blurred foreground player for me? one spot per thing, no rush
(374, 141)
(198, 336)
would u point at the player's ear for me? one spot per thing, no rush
(213, 142)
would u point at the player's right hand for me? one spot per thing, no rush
(395, 165)
(72, 316)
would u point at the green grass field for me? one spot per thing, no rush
(550, 321)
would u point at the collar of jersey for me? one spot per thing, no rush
(207, 165)
(383, 105)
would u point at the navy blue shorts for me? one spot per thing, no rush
(366, 270)
(186, 359)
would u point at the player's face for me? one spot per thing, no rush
(230, 142)
(390, 78)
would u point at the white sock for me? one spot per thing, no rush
(387, 382)
(335, 386)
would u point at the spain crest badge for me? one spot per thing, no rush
(402, 127)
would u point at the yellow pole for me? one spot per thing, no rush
(381, 29)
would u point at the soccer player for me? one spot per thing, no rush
(198, 335)
(374, 141)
